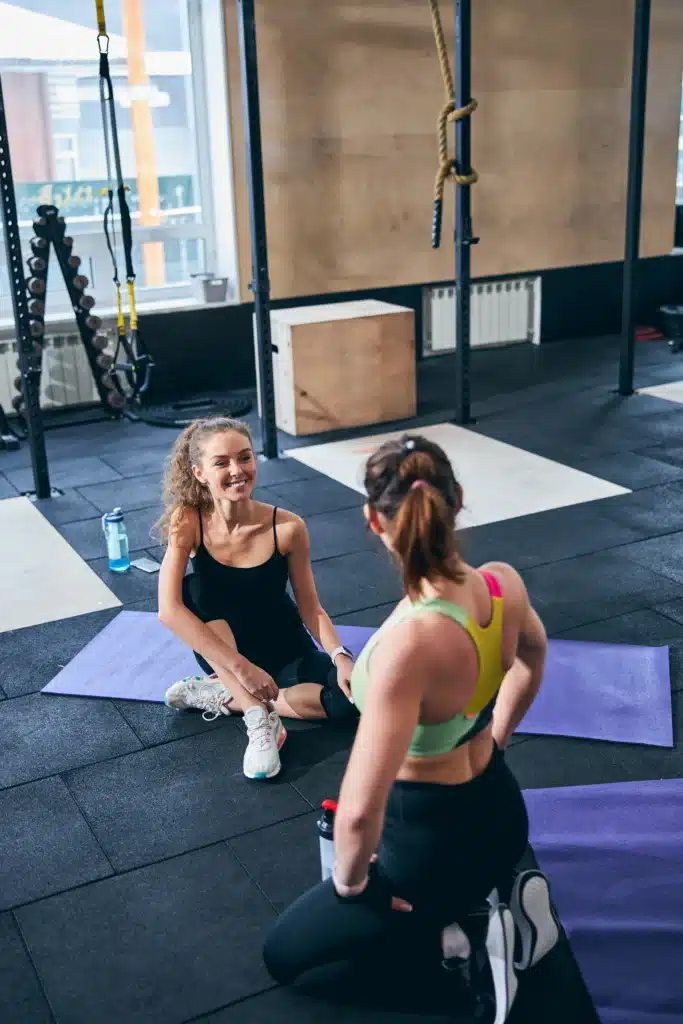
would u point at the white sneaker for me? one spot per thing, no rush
(500, 946)
(535, 920)
(204, 693)
(266, 735)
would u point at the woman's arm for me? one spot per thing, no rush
(521, 684)
(399, 673)
(315, 618)
(187, 627)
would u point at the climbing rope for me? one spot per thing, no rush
(448, 115)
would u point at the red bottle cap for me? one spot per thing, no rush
(329, 805)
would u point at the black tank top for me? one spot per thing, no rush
(265, 621)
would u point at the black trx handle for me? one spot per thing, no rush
(126, 232)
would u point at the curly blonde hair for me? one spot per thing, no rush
(181, 489)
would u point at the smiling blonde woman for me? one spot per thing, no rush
(255, 644)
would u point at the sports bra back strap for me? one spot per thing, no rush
(444, 607)
(274, 530)
(492, 583)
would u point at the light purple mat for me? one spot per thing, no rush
(613, 857)
(595, 691)
(615, 692)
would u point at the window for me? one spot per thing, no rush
(678, 228)
(66, 157)
(168, 69)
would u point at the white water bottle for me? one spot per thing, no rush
(326, 837)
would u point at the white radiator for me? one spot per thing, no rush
(66, 378)
(501, 313)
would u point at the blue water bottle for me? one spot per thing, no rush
(116, 536)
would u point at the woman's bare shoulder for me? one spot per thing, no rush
(503, 571)
(183, 528)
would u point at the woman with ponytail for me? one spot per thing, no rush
(430, 820)
(253, 642)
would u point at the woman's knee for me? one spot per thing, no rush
(313, 931)
(277, 956)
(337, 706)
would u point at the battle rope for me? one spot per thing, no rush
(138, 364)
(448, 114)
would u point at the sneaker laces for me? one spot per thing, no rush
(214, 705)
(261, 732)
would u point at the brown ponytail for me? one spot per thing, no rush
(411, 482)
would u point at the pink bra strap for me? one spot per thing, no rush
(492, 583)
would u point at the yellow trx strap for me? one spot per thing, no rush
(101, 22)
(447, 115)
(132, 308)
(120, 319)
(138, 364)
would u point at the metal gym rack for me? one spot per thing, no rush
(29, 366)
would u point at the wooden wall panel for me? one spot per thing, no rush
(663, 125)
(350, 93)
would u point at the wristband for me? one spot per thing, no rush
(345, 891)
(340, 650)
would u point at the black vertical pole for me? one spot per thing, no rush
(463, 218)
(260, 284)
(636, 145)
(30, 379)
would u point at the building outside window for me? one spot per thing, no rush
(170, 88)
(66, 157)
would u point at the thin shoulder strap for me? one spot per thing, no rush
(201, 526)
(441, 605)
(274, 530)
(492, 583)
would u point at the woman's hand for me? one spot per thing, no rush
(344, 666)
(397, 903)
(257, 682)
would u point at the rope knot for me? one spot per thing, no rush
(449, 114)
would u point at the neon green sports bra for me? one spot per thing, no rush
(442, 737)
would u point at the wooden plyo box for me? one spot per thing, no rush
(345, 364)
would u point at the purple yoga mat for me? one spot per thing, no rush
(615, 692)
(595, 691)
(613, 857)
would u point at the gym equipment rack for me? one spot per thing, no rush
(29, 352)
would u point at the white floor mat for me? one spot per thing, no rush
(499, 480)
(42, 578)
(672, 392)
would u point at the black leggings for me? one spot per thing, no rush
(443, 848)
(302, 663)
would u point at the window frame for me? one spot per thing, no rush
(210, 125)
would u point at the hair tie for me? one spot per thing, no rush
(417, 484)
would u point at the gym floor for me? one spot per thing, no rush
(138, 868)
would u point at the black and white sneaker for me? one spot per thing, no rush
(500, 947)
(537, 926)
